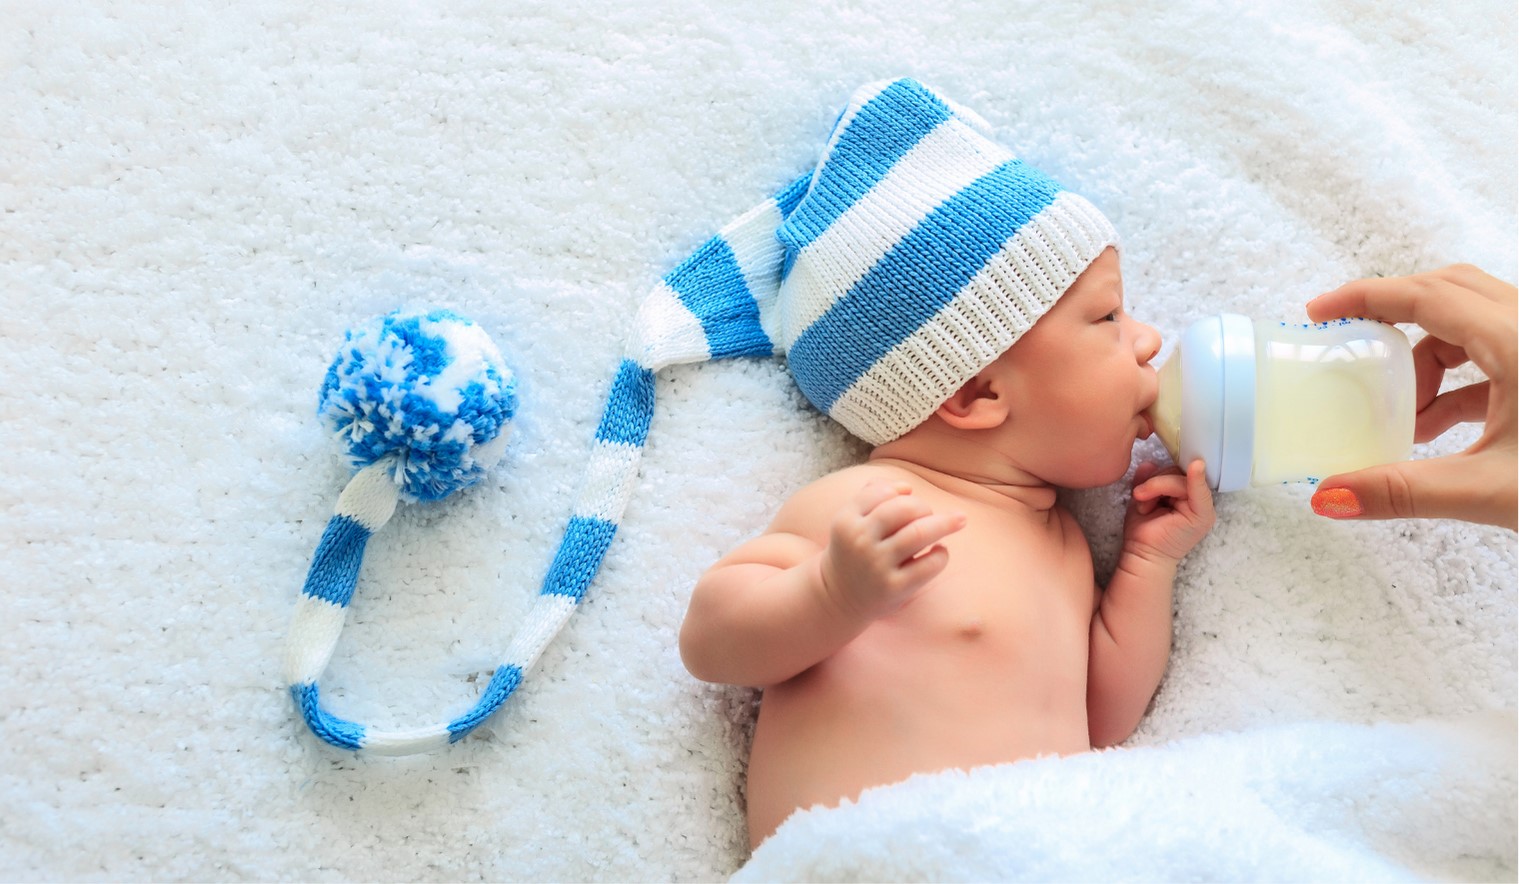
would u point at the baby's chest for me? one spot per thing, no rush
(1005, 645)
(1002, 606)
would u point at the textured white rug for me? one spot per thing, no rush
(196, 204)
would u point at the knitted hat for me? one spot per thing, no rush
(916, 253)
(909, 259)
(919, 254)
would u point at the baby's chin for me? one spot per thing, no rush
(1095, 472)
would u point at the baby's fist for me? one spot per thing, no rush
(883, 547)
(1171, 513)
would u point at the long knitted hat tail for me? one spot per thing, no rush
(706, 308)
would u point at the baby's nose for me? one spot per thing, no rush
(1147, 344)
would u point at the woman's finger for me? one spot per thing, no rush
(1458, 406)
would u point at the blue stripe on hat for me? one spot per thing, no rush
(884, 129)
(585, 544)
(335, 564)
(711, 285)
(787, 199)
(916, 279)
(630, 406)
(338, 732)
(501, 686)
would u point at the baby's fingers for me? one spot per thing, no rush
(894, 514)
(1167, 483)
(920, 534)
(1145, 503)
(1199, 495)
(918, 571)
(1144, 471)
(1175, 486)
(876, 492)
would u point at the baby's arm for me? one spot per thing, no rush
(1131, 623)
(784, 601)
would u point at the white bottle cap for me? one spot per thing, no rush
(1218, 398)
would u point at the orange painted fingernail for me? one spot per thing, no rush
(1336, 503)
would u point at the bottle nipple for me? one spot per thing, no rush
(1165, 413)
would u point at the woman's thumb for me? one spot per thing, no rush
(1417, 489)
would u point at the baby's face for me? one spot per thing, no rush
(1081, 380)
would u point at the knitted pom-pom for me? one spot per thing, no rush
(426, 391)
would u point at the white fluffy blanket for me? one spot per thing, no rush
(1304, 802)
(197, 202)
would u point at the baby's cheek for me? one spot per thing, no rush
(1075, 405)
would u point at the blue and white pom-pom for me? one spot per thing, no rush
(421, 402)
(427, 394)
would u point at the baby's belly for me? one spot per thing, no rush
(891, 704)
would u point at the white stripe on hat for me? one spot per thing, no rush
(610, 476)
(542, 623)
(408, 742)
(369, 498)
(665, 332)
(314, 631)
(985, 318)
(756, 249)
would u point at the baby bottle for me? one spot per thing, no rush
(1265, 403)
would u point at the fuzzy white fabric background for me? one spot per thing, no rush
(196, 204)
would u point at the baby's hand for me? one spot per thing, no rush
(883, 547)
(1171, 511)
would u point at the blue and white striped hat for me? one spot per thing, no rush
(916, 253)
(909, 259)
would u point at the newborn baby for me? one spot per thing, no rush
(934, 607)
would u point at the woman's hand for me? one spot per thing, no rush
(1470, 316)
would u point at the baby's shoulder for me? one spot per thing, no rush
(840, 486)
(811, 509)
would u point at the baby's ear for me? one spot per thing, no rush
(978, 405)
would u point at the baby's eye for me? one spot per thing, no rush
(1111, 317)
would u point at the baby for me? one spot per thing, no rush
(935, 607)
